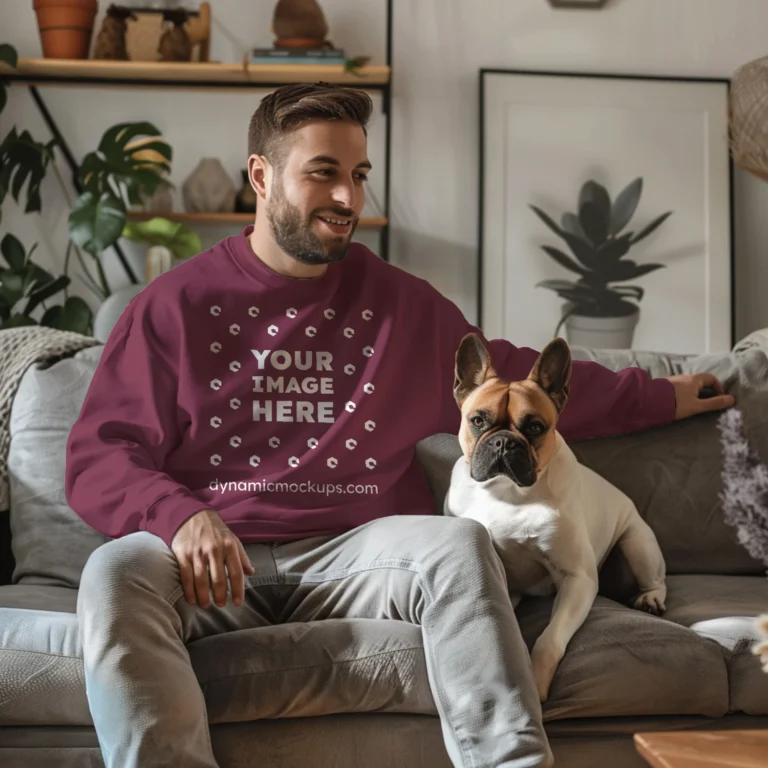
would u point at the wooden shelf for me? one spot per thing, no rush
(243, 219)
(187, 74)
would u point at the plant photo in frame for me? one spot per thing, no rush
(606, 212)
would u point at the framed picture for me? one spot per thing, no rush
(606, 211)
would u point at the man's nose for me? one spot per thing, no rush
(344, 194)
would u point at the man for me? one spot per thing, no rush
(252, 422)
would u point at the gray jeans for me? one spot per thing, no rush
(440, 573)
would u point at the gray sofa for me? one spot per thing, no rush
(355, 693)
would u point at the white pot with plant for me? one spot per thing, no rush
(597, 312)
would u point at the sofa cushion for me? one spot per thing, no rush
(673, 474)
(288, 670)
(723, 610)
(41, 666)
(626, 663)
(50, 543)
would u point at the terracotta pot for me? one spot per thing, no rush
(65, 27)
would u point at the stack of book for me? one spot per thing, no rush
(297, 56)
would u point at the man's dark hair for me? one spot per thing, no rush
(286, 108)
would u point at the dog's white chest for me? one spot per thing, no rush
(523, 534)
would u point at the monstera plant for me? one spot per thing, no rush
(598, 239)
(122, 171)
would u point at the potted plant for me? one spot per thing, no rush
(66, 27)
(167, 242)
(600, 312)
(122, 171)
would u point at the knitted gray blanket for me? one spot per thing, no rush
(20, 348)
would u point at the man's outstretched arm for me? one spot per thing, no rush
(602, 402)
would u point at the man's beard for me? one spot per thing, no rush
(296, 238)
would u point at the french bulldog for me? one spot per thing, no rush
(553, 521)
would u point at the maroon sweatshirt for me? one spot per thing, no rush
(292, 407)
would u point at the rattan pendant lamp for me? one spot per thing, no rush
(749, 117)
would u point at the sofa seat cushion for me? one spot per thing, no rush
(625, 663)
(723, 609)
(289, 670)
(41, 665)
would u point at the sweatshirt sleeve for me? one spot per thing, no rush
(126, 427)
(602, 402)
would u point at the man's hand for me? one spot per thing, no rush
(687, 390)
(204, 545)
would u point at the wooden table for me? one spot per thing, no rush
(704, 749)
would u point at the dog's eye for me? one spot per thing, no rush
(477, 421)
(535, 428)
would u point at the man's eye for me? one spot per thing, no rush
(362, 177)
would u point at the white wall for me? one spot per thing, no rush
(439, 45)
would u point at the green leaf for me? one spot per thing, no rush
(8, 55)
(96, 223)
(563, 259)
(52, 317)
(23, 159)
(41, 293)
(13, 252)
(594, 223)
(76, 316)
(651, 227)
(625, 206)
(12, 286)
(182, 241)
(16, 321)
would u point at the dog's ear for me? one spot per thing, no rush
(473, 366)
(552, 371)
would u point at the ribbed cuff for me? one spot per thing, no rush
(170, 512)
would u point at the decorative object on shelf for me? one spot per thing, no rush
(246, 197)
(594, 4)
(110, 42)
(175, 44)
(65, 27)
(209, 189)
(553, 131)
(299, 24)
(597, 313)
(749, 117)
(144, 33)
(167, 243)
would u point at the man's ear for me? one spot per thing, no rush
(552, 371)
(473, 366)
(259, 175)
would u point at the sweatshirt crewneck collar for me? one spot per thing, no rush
(240, 250)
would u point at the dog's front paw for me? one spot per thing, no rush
(653, 601)
(545, 657)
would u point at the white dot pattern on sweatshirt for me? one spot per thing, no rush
(310, 331)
